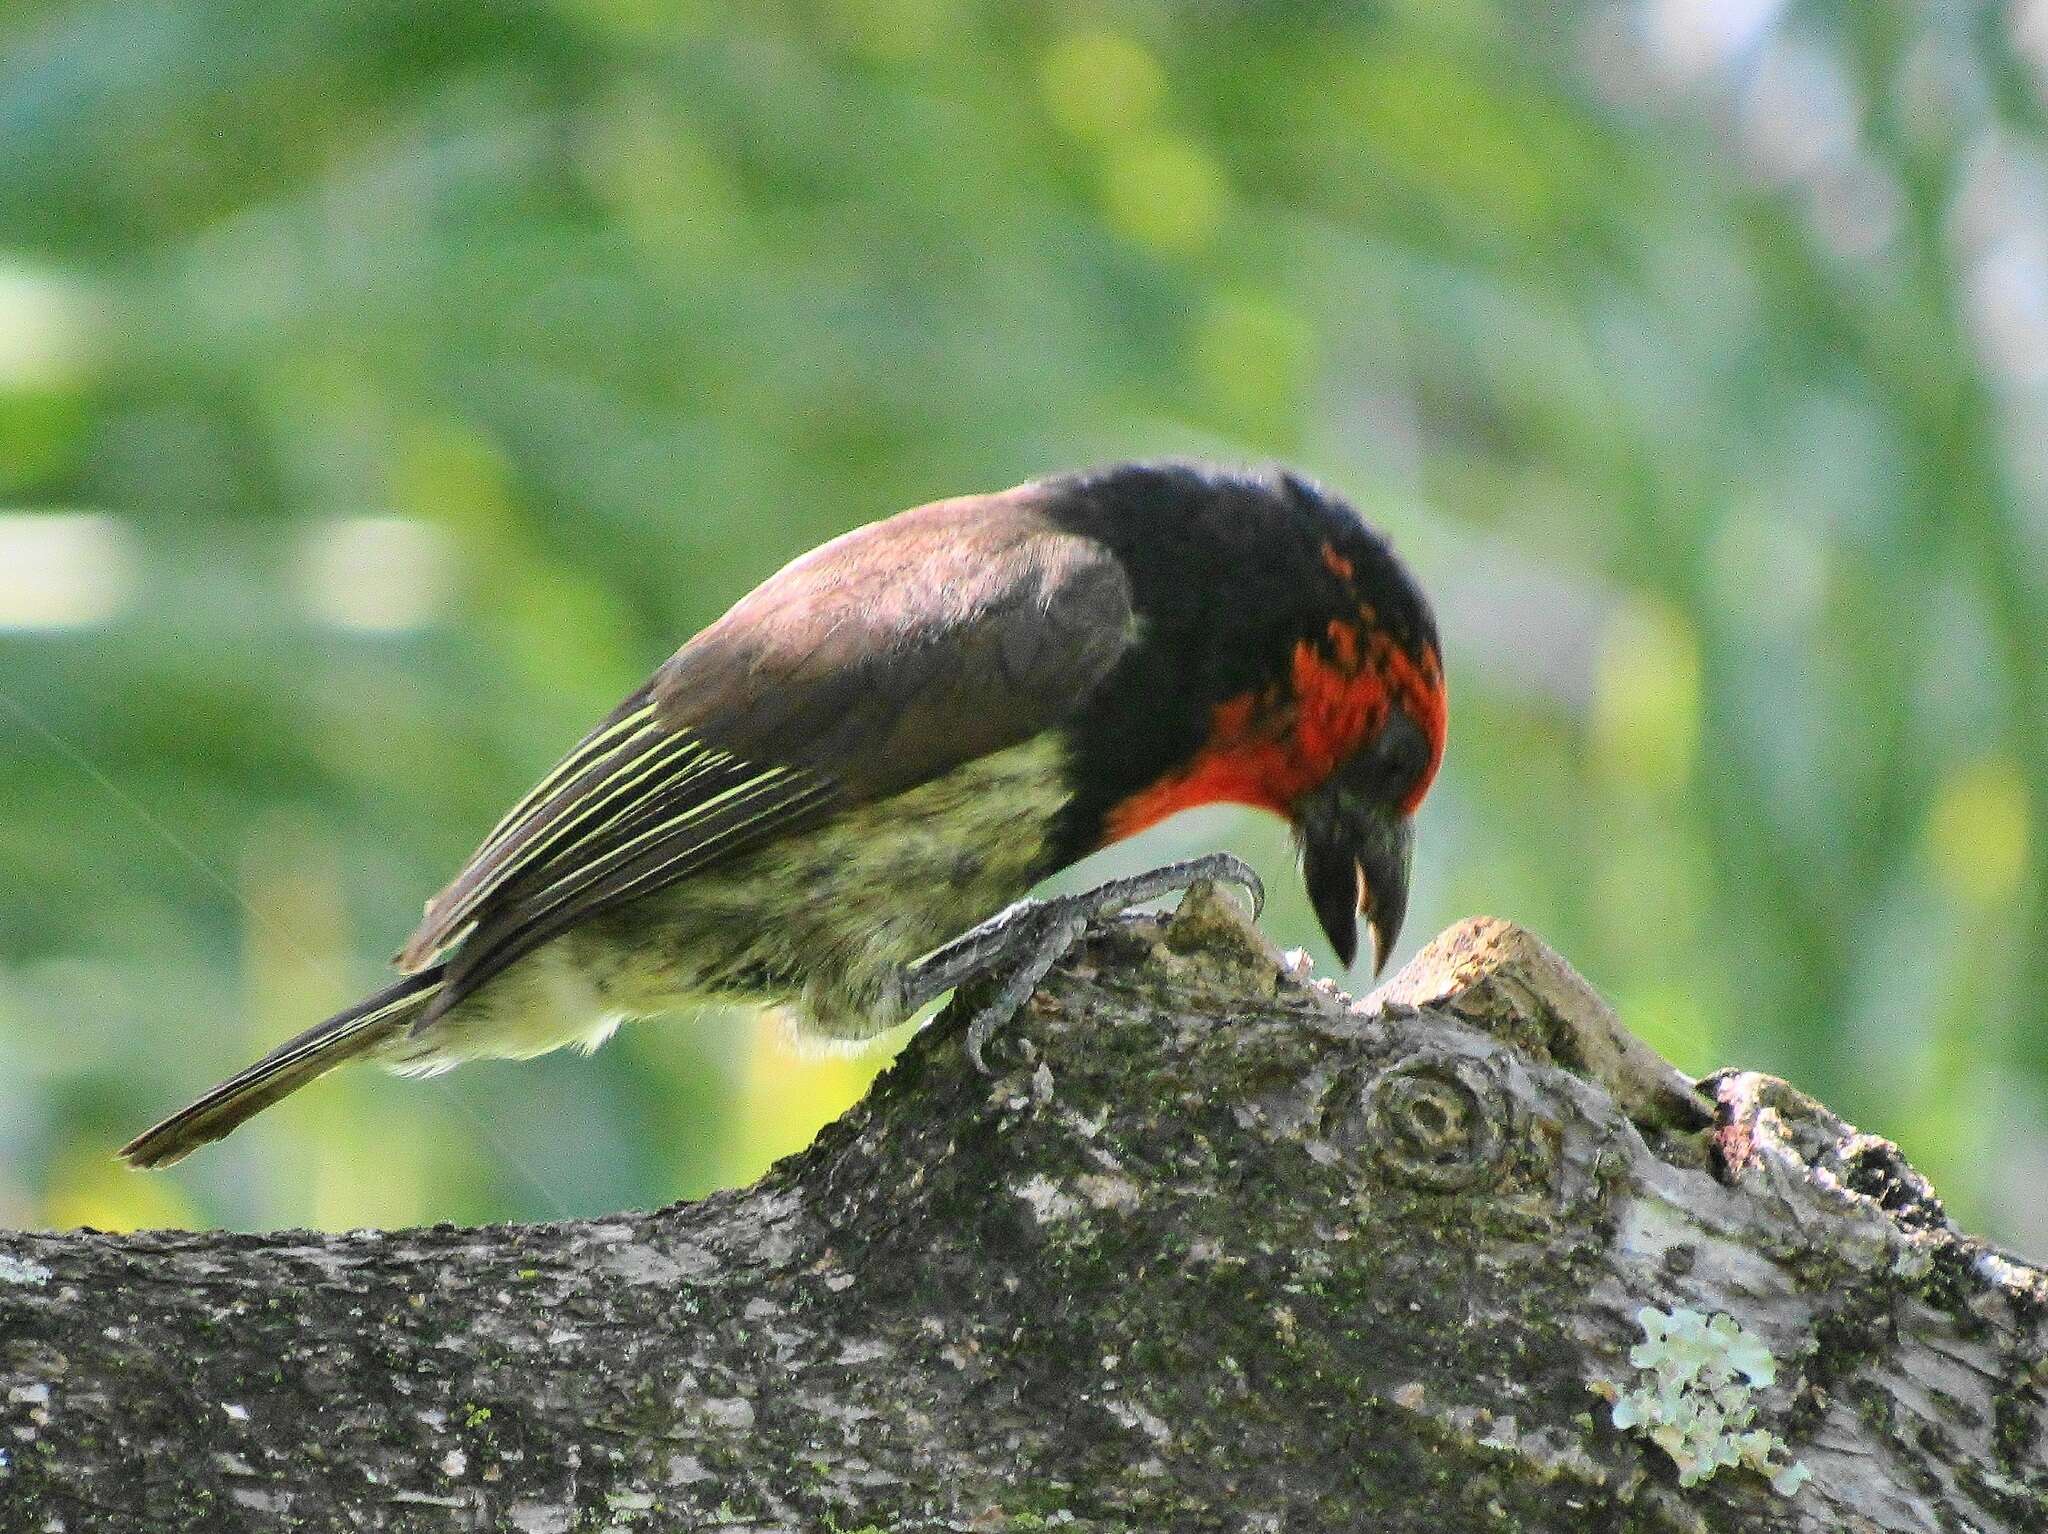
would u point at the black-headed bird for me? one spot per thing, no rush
(819, 801)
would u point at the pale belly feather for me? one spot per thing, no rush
(819, 924)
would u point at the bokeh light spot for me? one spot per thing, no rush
(89, 1188)
(1164, 191)
(792, 1087)
(1646, 699)
(45, 333)
(1254, 357)
(1978, 831)
(375, 575)
(61, 570)
(1692, 38)
(1098, 85)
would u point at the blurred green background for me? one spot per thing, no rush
(385, 387)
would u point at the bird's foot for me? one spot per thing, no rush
(1028, 938)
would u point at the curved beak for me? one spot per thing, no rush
(1354, 859)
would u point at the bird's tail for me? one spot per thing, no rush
(284, 1070)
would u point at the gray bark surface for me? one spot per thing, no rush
(1219, 1249)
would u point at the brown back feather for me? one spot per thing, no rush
(875, 663)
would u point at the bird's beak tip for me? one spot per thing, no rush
(1354, 865)
(1347, 953)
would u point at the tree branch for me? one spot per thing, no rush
(1221, 1249)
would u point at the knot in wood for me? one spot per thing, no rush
(1438, 1121)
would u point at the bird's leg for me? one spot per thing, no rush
(1028, 938)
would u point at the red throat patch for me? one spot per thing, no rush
(1268, 749)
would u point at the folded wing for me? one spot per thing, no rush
(875, 663)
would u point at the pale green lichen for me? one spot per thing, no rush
(16, 1270)
(1695, 1399)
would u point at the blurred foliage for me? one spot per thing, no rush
(1697, 353)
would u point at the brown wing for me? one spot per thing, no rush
(873, 664)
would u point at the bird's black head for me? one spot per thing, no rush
(1287, 660)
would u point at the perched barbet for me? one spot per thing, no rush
(815, 801)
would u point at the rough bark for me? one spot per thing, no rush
(1220, 1249)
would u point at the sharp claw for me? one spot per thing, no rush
(1255, 887)
(1233, 869)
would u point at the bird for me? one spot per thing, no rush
(837, 797)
